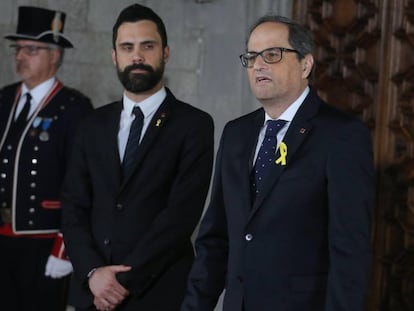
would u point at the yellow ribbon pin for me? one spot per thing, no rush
(283, 154)
(158, 122)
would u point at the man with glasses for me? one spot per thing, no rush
(38, 116)
(288, 225)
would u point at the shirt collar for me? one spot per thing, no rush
(290, 112)
(148, 105)
(39, 92)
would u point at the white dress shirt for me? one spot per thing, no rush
(287, 115)
(148, 107)
(37, 93)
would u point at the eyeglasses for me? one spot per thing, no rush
(270, 56)
(30, 50)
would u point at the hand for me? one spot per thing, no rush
(102, 306)
(57, 268)
(108, 292)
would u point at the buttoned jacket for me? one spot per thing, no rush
(38, 163)
(146, 220)
(303, 244)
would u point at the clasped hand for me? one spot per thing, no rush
(107, 291)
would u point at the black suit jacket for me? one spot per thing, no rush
(304, 244)
(38, 165)
(145, 221)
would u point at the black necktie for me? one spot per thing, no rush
(133, 141)
(22, 118)
(266, 155)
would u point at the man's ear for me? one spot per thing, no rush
(56, 55)
(166, 55)
(307, 65)
(113, 54)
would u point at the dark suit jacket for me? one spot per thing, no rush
(40, 164)
(145, 221)
(304, 244)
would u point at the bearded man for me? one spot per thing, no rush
(137, 182)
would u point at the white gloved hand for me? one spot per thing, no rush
(57, 268)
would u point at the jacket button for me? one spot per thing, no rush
(248, 237)
(119, 207)
(107, 242)
(5, 161)
(30, 222)
(33, 173)
(3, 175)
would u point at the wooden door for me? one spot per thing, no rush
(365, 65)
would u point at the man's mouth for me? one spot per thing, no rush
(263, 79)
(138, 70)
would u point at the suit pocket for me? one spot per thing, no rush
(308, 283)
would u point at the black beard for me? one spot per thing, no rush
(140, 82)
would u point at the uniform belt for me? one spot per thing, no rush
(5, 214)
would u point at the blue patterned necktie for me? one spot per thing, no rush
(266, 155)
(131, 149)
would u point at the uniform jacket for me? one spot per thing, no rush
(304, 243)
(39, 163)
(146, 220)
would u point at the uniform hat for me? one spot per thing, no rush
(40, 24)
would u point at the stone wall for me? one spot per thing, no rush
(205, 37)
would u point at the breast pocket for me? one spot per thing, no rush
(303, 172)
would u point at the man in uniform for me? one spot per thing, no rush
(37, 120)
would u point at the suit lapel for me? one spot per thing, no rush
(251, 136)
(111, 129)
(298, 130)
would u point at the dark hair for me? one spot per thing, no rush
(300, 38)
(135, 13)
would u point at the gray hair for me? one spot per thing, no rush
(300, 38)
(61, 52)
